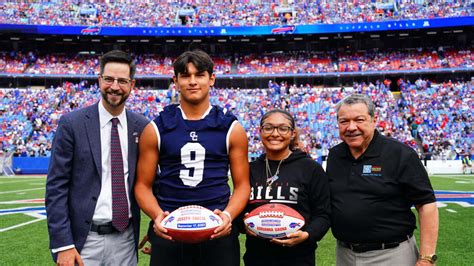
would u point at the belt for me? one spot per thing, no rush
(364, 247)
(104, 229)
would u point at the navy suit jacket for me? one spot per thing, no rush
(74, 176)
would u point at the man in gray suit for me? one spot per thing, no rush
(93, 217)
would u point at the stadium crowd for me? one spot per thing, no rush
(434, 119)
(293, 62)
(222, 13)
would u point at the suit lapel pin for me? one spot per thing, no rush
(135, 134)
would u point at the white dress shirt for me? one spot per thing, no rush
(103, 209)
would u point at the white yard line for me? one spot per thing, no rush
(467, 178)
(36, 215)
(17, 191)
(16, 181)
(445, 204)
(20, 225)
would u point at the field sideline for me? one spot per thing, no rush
(24, 237)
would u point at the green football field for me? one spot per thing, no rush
(24, 236)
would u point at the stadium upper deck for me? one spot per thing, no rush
(222, 13)
(298, 62)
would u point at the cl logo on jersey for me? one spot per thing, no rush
(193, 135)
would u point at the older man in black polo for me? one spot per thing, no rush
(374, 182)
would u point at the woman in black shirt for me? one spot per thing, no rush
(286, 175)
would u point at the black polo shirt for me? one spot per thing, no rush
(371, 197)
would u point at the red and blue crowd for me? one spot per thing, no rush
(436, 119)
(224, 13)
(295, 62)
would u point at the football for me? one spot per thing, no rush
(191, 224)
(274, 221)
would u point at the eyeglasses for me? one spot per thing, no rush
(282, 130)
(122, 82)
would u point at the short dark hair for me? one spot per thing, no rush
(117, 56)
(200, 59)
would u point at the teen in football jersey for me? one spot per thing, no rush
(286, 175)
(192, 145)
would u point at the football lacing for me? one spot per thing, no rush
(191, 207)
(271, 214)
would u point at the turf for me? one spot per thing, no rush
(455, 183)
(28, 244)
(14, 219)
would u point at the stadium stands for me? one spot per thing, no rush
(295, 62)
(223, 13)
(442, 113)
(433, 118)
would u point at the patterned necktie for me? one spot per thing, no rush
(119, 196)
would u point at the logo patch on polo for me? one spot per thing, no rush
(376, 169)
(371, 170)
(367, 169)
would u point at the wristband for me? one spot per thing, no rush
(228, 215)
